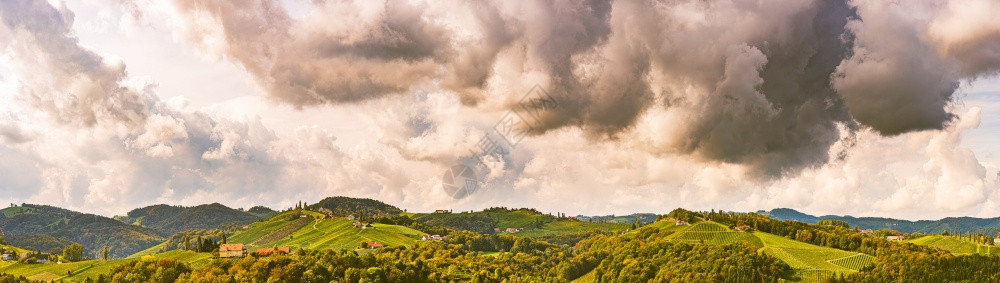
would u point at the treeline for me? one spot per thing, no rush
(479, 223)
(188, 240)
(648, 256)
(358, 207)
(900, 264)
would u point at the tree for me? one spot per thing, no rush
(198, 243)
(187, 243)
(223, 238)
(105, 253)
(73, 252)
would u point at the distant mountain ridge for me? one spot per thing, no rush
(959, 224)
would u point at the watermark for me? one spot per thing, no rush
(462, 180)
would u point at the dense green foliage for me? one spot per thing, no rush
(360, 207)
(262, 212)
(92, 231)
(169, 220)
(73, 252)
(902, 264)
(151, 270)
(650, 257)
(38, 242)
(7, 278)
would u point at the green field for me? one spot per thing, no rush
(955, 245)
(813, 261)
(92, 268)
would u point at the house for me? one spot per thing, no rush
(742, 227)
(232, 250)
(442, 211)
(350, 217)
(357, 224)
(866, 231)
(373, 245)
(263, 251)
(42, 257)
(7, 256)
(270, 251)
(283, 250)
(432, 237)
(512, 230)
(681, 222)
(496, 230)
(895, 238)
(996, 241)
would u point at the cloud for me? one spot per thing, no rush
(766, 85)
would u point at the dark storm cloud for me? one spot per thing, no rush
(768, 84)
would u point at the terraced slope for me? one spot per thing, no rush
(714, 233)
(955, 245)
(314, 233)
(812, 259)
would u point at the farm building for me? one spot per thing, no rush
(232, 250)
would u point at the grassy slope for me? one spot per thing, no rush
(84, 269)
(337, 233)
(955, 245)
(812, 261)
(150, 251)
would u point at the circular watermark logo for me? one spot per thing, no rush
(460, 181)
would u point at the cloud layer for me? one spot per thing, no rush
(679, 103)
(760, 84)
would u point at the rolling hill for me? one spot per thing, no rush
(316, 232)
(362, 207)
(169, 220)
(23, 223)
(959, 224)
(811, 262)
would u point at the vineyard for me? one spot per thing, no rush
(283, 232)
(955, 245)
(854, 262)
(714, 233)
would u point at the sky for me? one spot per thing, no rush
(858, 107)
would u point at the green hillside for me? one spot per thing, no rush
(535, 223)
(23, 224)
(314, 232)
(955, 245)
(92, 268)
(811, 262)
(169, 220)
(714, 233)
(812, 258)
(357, 206)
